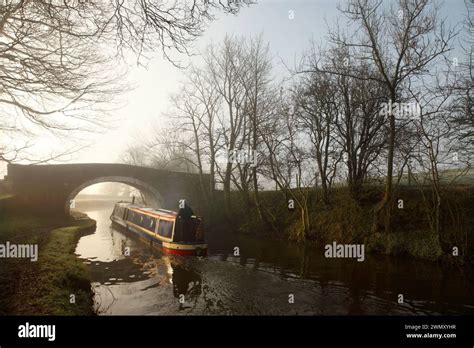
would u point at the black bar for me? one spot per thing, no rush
(192, 330)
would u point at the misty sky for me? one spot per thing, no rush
(144, 106)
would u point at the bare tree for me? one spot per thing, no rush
(342, 116)
(136, 155)
(207, 96)
(400, 42)
(463, 84)
(256, 81)
(361, 127)
(219, 111)
(287, 161)
(225, 70)
(433, 133)
(55, 55)
(194, 112)
(165, 154)
(141, 25)
(52, 77)
(316, 112)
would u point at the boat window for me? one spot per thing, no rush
(148, 222)
(134, 217)
(165, 228)
(152, 224)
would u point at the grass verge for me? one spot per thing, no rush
(45, 287)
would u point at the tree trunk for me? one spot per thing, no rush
(383, 210)
(227, 189)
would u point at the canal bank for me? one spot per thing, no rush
(348, 220)
(57, 283)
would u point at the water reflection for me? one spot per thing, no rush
(186, 282)
(130, 277)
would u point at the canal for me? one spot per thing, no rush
(265, 278)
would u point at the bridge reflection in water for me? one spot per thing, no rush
(260, 279)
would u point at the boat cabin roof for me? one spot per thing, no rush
(152, 211)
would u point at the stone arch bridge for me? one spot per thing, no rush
(48, 189)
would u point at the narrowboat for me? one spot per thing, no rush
(177, 233)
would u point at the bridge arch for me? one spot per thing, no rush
(152, 196)
(48, 189)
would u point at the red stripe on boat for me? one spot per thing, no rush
(202, 252)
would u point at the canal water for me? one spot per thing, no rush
(266, 278)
